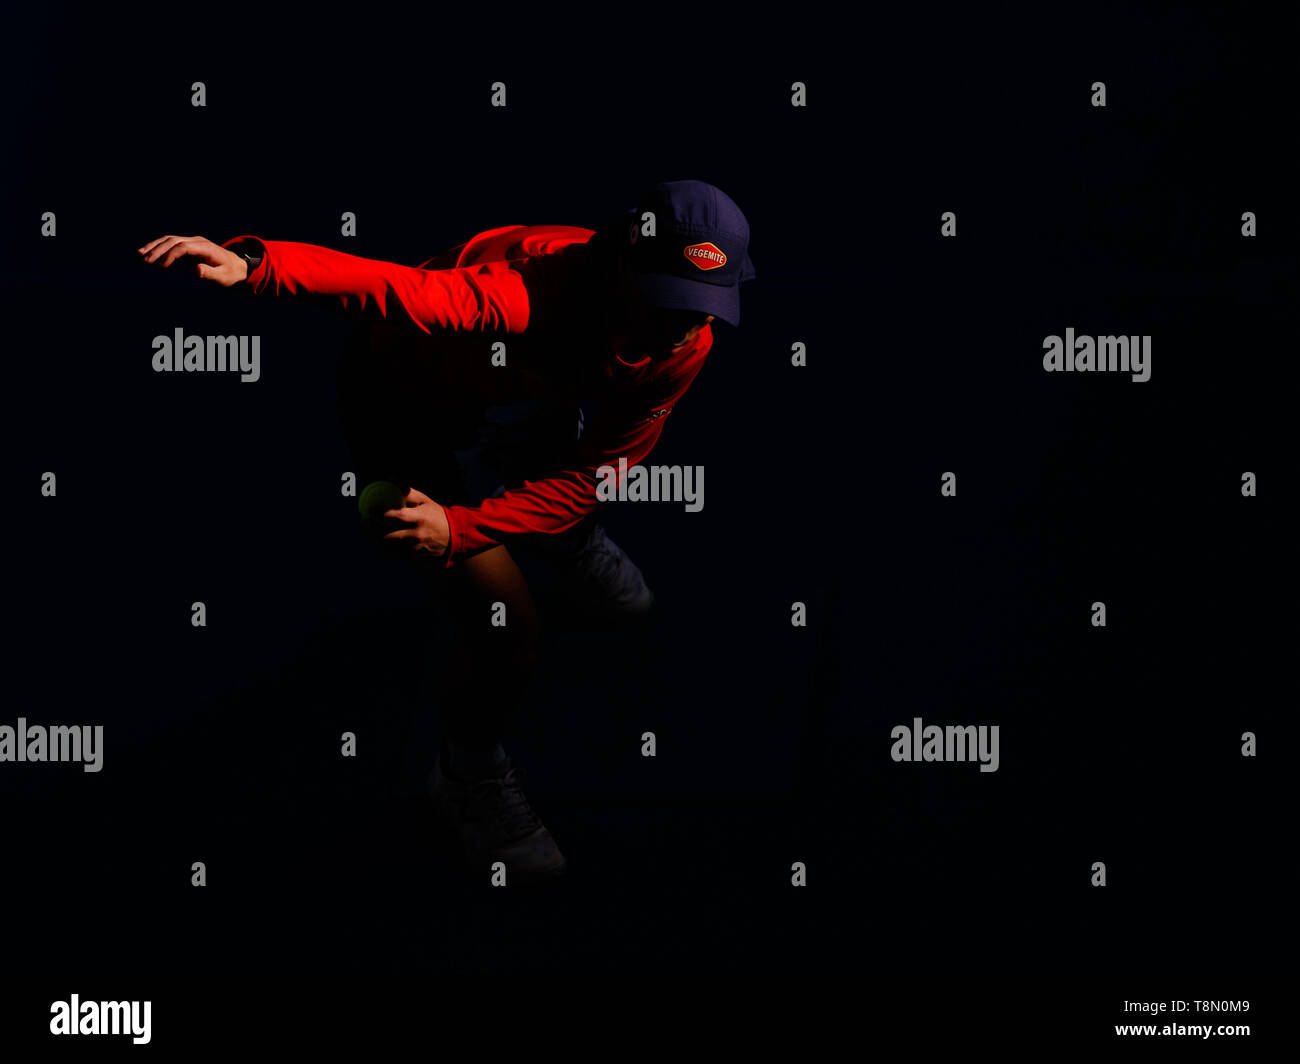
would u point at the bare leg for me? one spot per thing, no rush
(478, 790)
(489, 666)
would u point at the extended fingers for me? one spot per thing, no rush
(154, 243)
(165, 246)
(179, 250)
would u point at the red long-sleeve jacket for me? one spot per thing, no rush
(552, 295)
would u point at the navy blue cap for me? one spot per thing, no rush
(699, 253)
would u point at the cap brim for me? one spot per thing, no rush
(678, 293)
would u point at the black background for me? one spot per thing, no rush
(1119, 744)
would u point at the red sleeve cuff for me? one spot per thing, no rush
(454, 535)
(253, 246)
(462, 541)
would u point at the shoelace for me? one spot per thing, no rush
(502, 798)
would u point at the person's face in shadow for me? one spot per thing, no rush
(656, 331)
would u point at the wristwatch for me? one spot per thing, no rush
(253, 262)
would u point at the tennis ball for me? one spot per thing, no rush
(379, 496)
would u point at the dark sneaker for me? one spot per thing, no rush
(496, 823)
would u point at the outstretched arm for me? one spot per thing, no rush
(490, 297)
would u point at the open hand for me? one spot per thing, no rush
(212, 261)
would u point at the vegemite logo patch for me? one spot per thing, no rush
(706, 256)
